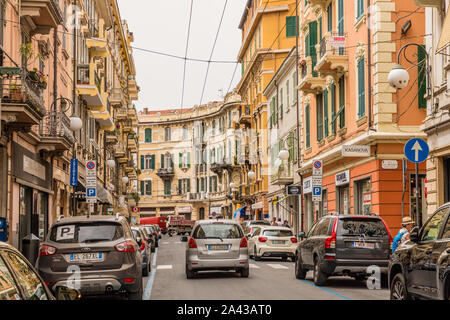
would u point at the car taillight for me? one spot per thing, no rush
(192, 244)
(294, 240)
(128, 280)
(46, 251)
(262, 239)
(126, 246)
(250, 230)
(330, 243)
(243, 243)
(143, 245)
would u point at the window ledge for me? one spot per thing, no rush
(331, 137)
(359, 21)
(321, 143)
(342, 131)
(361, 121)
(308, 150)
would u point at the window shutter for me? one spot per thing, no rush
(180, 156)
(422, 79)
(188, 185)
(142, 188)
(330, 18)
(325, 111)
(188, 159)
(142, 162)
(153, 161)
(361, 89)
(341, 102)
(180, 186)
(333, 108)
(150, 182)
(162, 161)
(291, 26)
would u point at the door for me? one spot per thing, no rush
(344, 200)
(25, 212)
(419, 274)
(307, 245)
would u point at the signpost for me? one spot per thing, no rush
(91, 184)
(417, 151)
(317, 178)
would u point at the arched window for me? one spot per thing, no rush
(148, 135)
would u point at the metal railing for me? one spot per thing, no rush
(326, 46)
(56, 124)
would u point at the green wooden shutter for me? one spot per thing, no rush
(330, 18)
(142, 162)
(153, 161)
(422, 79)
(340, 22)
(333, 108)
(361, 89)
(142, 188)
(180, 186)
(325, 111)
(180, 157)
(312, 44)
(308, 127)
(341, 102)
(291, 23)
(162, 161)
(319, 112)
(148, 135)
(281, 103)
(288, 100)
(320, 29)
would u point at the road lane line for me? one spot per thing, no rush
(164, 267)
(277, 266)
(254, 266)
(148, 288)
(327, 290)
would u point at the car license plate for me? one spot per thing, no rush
(218, 247)
(277, 241)
(364, 245)
(86, 257)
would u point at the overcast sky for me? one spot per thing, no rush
(161, 25)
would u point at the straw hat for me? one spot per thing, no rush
(407, 220)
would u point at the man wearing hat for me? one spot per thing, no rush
(403, 234)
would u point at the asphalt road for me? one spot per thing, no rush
(268, 280)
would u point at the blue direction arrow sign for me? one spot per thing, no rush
(416, 150)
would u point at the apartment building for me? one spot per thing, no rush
(268, 35)
(45, 82)
(186, 160)
(349, 49)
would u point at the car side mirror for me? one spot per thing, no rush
(302, 235)
(414, 235)
(184, 239)
(65, 293)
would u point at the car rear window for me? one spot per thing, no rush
(85, 233)
(265, 223)
(278, 233)
(362, 227)
(218, 230)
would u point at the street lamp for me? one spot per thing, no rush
(398, 77)
(283, 155)
(111, 163)
(232, 184)
(251, 175)
(125, 179)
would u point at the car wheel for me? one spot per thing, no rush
(300, 273)
(136, 295)
(320, 278)
(398, 288)
(145, 271)
(284, 259)
(190, 274)
(245, 272)
(255, 255)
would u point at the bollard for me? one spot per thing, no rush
(30, 248)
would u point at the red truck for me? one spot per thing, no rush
(160, 221)
(180, 225)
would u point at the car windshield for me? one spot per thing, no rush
(278, 233)
(218, 230)
(86, 232)
(362, 227)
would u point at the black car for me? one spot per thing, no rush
(344, 245)
(420, 267)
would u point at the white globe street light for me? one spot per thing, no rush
(75, 123)
(232, 185)
(251, 175)
(111, 163)
(398, 77)
(125, 179)
(283, 155)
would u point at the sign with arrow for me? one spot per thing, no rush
(416, 150)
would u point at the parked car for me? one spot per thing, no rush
(100, 249)
(151, 231)
(142, 240)
(344, 245)
(270, 241)
(216, 245)
(158, 229)
(420, 267)
(249, 224)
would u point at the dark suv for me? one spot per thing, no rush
(420, 267)
(97, 254)
(344, 245)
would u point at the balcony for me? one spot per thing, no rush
(132, 144)
(200, 169)
(333, 61)
(119, 150)
(165, 172)
(121, 114)
(117, 98)
(55, 133)
(196, 196)
(22, 99)
(130, 166)
(111, 137)
(217, 168)
(284, 175)
(89, 85)
(322, 3)
(310, 82)
(245, 115)
(41, 15)
(127, 126)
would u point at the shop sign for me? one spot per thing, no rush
(184, 210)
(258, 205)
(367, 197)
(389, 164)
(293, 190)
(342, 178)
(356, 151)
(307, 185)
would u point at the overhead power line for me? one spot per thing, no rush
(185, 55)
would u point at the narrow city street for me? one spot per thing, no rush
(269, 280)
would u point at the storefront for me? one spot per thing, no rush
(186, 211)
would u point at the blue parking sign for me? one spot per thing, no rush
(317, 191)
(91, 192)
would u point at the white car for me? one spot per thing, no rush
(271, 241)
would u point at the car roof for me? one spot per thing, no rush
(350, 216)
(4, 245)
(211, 221)
(92, 218)
(274, 228)
(258, 221)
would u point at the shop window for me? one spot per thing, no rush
(363, 197)
(343, 199)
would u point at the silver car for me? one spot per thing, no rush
(216, 245)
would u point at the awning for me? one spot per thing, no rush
(258, 205)
(444, 40)
(239, 213)
(104, 196)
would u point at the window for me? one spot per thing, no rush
(213, 128)
(431, 230)
(319, 104)
(291, 26)
(325, 111)
(148, 135)
(167, 134)
(333, 108)
(294, 86)
(218, 230)
(363, 197)
(167, 188)
(8, 287)
(146, 187)
(361, 89)
(330, 18)
(359, 8)
(184, 186)
(308, 127)
(185, 133)
(322, 227)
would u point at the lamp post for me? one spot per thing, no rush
(399, 79)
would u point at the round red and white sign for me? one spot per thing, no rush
(90, 165)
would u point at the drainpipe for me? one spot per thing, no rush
(369, 69)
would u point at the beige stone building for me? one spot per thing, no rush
(186, 160)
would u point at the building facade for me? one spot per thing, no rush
(44, 81)
(187, 159)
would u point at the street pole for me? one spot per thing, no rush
(419, 216)
(74, 88)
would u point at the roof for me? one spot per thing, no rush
(165, 112)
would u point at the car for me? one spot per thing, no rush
(249, 224)
(344, 245)
(158, 230)
(100, 250)
(216, 245)
(271, 241)
(152, 233)
(143, 242)
(420, 267)
(157, 233)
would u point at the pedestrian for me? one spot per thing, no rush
(403, 234)
(279, 223)
(274, 222)
(286, 224)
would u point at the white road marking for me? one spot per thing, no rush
(164, 267)
(164, 242)
(254, 266)
(277, 266)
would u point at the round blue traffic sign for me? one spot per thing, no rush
(317, 164)
(416, 150)
(90, 165)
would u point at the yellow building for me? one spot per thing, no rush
(268, 35)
